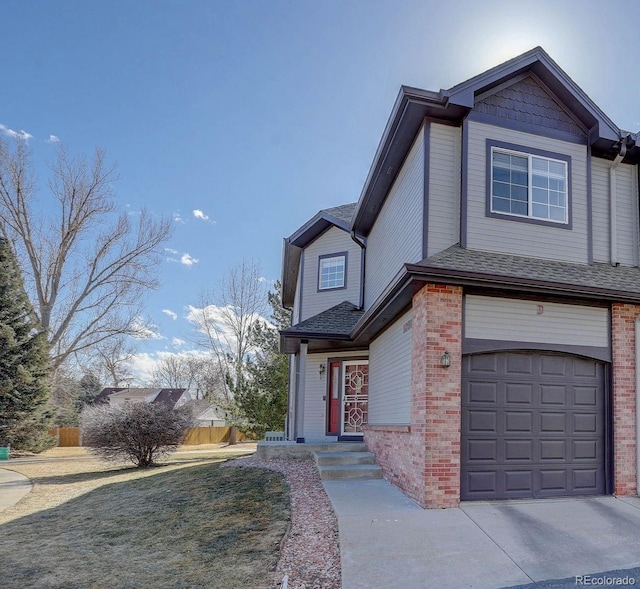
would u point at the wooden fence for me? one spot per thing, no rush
(70, 436)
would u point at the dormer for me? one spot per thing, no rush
(322, 264)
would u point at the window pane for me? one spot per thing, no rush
(501, 174)
(501, 189)
(501, 159)
(519, 193)
(540, 196)
(539, 164)
(519, 163)
(540, 181)
(556, 184)
(332, 272)
(540, 211)
(557, 213)
(557, 169)
(519, 178)
(501, 205)
(518, 208)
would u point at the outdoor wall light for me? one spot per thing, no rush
(445, 360)
(321, 369)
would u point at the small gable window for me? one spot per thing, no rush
(332, 271)
(529, 185)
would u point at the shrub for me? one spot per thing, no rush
(139, 432)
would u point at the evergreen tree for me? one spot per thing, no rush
(90, 387)
(263, 398)
(24, 362)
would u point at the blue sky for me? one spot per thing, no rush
(260, 113)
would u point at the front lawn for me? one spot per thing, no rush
(184, 525)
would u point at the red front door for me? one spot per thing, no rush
(334, 399)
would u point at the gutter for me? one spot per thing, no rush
(470, 278)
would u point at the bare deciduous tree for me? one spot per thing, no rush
(85, 266)
(199, 374)
(225, 319)
(174, 371)
(112, 360)
(224, 324)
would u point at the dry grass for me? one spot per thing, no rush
(186, 524)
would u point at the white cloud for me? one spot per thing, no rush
(213, 321)
(143, 364)
(171, 314)
(54, 139)
(188, 260)
(16, 134)
(145, 330)
(177, 342)
(198, 214)
(178, 218)
(170, 250)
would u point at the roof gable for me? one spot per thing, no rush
(538, 62)
(526, 100)
(323, 220)
(451, 106)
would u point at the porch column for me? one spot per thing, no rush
(301, 380)
(290, 426)
(436, 393)
(624, 398)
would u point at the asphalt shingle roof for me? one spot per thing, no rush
(343, 212)
(597, 276)
(336, 321)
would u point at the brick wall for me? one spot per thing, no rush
(624, 398)
(424, 460)
(400, 455)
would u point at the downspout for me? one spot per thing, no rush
(613, 232)
(363, 260)
(637, 368)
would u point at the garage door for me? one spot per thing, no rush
(533, 425)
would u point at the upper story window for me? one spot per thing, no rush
(332, 271)
(529, 184)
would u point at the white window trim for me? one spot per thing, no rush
(323, 260)
(530, 157)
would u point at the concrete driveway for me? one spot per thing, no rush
(386, 540)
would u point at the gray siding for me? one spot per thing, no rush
(390, 375)
(396, 236)
(315, 404)
(444, 188)
(331, 241)
(626, 212)
(494, 318)
(521, 238)
(626, 215)
(600, 208)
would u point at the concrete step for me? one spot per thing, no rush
(350, 471)
(338, 458)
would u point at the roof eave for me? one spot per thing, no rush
(467, 278)
(409, 111)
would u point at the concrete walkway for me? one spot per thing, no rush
(388, 541)
(13, 487)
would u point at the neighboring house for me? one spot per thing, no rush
(205, 414)
(474, 315)
(119, 396)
